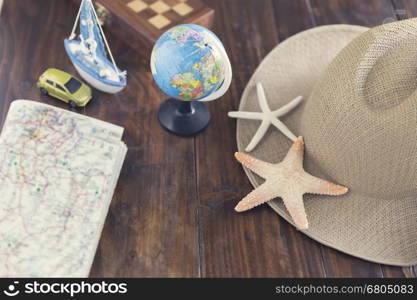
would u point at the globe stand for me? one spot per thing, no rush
(183, 118)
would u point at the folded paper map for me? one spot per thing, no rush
(58, 172)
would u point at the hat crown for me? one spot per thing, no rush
(360, 123)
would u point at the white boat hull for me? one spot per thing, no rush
(97, 84)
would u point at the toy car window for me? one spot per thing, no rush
(60, 87)
(50, 82)
(73, 85)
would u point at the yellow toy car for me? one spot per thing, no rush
(65, 87)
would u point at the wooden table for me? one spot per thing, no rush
(172, 213)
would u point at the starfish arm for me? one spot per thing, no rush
(262, 98)
(258, 196)
(295, 155)
(295, 206)
(284, 129)
(316, 185)
(260, 133)
(260, 167)
(288, 107)
(245, 115)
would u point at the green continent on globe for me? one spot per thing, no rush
(191, 88)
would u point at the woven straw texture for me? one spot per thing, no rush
(359, 122)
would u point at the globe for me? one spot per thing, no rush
(189, 62)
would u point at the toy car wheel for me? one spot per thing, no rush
(72, 104)
(44, 92)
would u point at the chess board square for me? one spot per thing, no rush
(183, 8)
(137, 5)
(159, 21)
(160, 7)
(173, 16)
(147, 13)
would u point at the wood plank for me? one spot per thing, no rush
(405, 9)
(151, 227)
(288, 25)
(358, 12)
(338, 264)
(25, 53)
(151, 230)
(7, 59)
(397, 272)
(365, 13)
(257, 243)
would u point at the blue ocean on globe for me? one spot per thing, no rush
(187, 62)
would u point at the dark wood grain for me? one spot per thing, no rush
(24, 56)
(151, 229)
(359, 12)
(288, 25)
(172, 214)
(405, 8)
(152, 220)
(257, 243)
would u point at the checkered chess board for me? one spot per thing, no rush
(161, 13)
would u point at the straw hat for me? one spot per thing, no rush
(359, 123)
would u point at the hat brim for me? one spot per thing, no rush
(353, 223)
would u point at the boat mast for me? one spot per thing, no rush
(74, 28)
(104, 38)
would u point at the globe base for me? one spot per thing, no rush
(183, 118)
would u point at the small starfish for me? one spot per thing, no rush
(267, 117)
(287, 180)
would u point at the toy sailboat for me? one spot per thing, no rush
(88, 54)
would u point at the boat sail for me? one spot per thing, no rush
(88, 54)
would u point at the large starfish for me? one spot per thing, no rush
(267, 117)
(286, 180)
